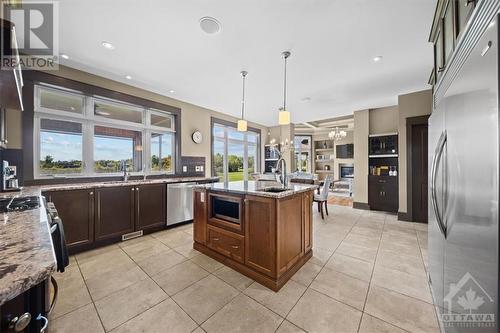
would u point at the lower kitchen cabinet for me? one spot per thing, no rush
(76, 209)
(383, 193)
(200, 216)
(150, 202)
(114, 211)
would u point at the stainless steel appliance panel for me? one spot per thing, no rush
(179, 202)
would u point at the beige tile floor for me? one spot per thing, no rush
(368, 274)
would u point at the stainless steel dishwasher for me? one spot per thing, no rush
(179, 202)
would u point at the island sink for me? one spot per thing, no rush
(263, 232)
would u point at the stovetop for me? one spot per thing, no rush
(19, 204)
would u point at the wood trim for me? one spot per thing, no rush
(360, 205)
(410, 122)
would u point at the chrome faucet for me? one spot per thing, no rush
(281, 167)
(124, 169)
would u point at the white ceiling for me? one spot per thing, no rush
(160, 44)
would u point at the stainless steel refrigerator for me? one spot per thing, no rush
(463, 192)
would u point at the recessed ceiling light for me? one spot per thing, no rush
(210, 25)
(64, 56)
(377, 58)
(128, 77)
(171, 91)
(306, 99)
(108, 45)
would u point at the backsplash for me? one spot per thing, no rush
(192, 166)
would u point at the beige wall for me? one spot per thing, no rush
(384, 120)
(192, 117)
(410, 105)
(348, 139)
(361, 131)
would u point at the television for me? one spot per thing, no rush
(345, 151)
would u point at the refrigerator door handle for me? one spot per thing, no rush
(435, 161)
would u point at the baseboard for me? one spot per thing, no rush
(360, 205)
(403, 216)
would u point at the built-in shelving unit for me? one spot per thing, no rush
(324, 152)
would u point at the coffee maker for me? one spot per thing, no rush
(9, 178)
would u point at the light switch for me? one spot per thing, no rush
(197, 168)
(201, 168)
(184, 168)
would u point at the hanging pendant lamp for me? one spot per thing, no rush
(284, 114)
(242, 123)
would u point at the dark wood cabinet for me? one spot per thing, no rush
(383, 144)
(383, 193)
(76, 209)
(290, 232)
(260, 234)
(227, 243)
(114, 211)
(150, 205)
(11, 81)
(200, 216)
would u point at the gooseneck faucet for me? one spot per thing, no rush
(281, 167)
(124, 169)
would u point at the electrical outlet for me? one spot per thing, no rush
(197, 168)
(184, 168)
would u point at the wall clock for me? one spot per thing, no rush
(197, 137)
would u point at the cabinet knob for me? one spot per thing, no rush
(215, 239)
(235, 247)
(137, 189)
(91, 193)
(133, 189)
(18, 324)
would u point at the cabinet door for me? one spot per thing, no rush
(449, 30)
(114, 211)
(260, 234)
(307, 220)
(290, 230)
(200, 217)
(150, 206)
(76, 210)
(439, 53)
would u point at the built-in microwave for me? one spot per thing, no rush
(226, 211)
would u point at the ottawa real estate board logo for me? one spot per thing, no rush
(32, 28)
(468, 305)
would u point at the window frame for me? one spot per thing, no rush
(88, 120)
(299, 151)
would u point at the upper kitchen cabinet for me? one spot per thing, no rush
(450, 19)
(11, 79)
(385, 144)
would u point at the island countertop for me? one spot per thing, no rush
(258, 188)
(26, 253)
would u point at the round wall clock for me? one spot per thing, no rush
(197, 137)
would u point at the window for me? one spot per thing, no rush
(302, 148)
(78, 135)
(236, 155)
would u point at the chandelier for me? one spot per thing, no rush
(337, 134)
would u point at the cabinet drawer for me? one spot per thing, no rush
(226, 243)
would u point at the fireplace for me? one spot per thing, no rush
(346, 171)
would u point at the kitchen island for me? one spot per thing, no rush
(255, 227)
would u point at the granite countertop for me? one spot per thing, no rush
(26, 253)
(257, 188)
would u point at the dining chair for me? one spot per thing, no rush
(322, 197)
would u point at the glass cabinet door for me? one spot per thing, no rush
(464, 11)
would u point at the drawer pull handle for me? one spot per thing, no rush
(235, 247)
(215, 239)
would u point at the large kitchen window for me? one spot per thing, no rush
(235, 155)
(302, 150)
(78, 135)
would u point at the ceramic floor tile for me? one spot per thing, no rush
(161, 261)
(163, 317)
(73, 292)
(402, 311)
(366, 231)
(127, 303)
(207, 296)
(83, 257)
(145, 249)
(406, 264)
(207, 263)
(320, 256)
(235, 279)
(371, 324)
(351, 266)
(306, 273)
(363, 240)
(110, 261)
(280, 302)
(316, 312)
(288, 327)
(175, 238)
(344, 288)
(357, 251)
(83, 320)
(187, 250)
(243, 314)
(180, 276)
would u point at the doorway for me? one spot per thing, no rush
(417, 166)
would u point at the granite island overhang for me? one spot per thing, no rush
(255, 227)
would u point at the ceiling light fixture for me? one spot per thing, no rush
(128, 77)
(284, 114)
(337, 134)
(242, 123)
(107, 45)
(210, 25)
(377, 58)
(171, 91)
(64, 56)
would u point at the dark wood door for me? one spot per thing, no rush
(419, 172)
(150, 206)
(76, 210)
(114, 211)
(260, 234)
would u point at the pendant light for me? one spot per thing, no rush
(242, 123)
(284, 114)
